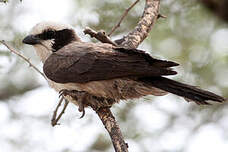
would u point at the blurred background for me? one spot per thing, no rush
(191, 35)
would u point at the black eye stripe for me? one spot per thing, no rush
(50, 34)
(47, 34)
(61, 37)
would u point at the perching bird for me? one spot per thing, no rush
(100, 74)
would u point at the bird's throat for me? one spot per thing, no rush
(43, 52)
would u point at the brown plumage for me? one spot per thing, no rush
(102, 73)
(84, 62)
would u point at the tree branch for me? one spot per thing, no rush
(140, 32)
(99, 36)
(113, 129)
(132, 40)
(23, 57)
(144, 26)
(54, 120)
(122, 17)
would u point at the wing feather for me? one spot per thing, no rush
(84, 62)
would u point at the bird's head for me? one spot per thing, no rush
(48, 37)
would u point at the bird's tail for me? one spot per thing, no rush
(190, 93)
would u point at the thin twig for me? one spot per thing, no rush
(144, 26)
(23, 57)
(99, 36)
(54, 120)
(113, 129)
(132, 40)
(161, 16)
(63, 111)
(122, 17)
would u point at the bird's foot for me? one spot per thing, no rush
(65, 92)
(79, 96)
(81, 108)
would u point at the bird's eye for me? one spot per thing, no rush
(50, 34)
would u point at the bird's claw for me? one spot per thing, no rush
(81, 108)
(72, 93)
(78, 95)
(63, 92)
(83, 112)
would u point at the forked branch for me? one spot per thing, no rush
(144, 26)
(131, 40)
(54, 120)
(122, 17)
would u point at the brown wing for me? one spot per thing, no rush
(84, 62)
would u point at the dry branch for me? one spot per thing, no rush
(149, 17)
(99, 36)
(55, 119)
(161, 16)
(23, 57)
(113, 129)
(132, 40)
(122, 17)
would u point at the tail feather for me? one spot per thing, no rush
(190, 93)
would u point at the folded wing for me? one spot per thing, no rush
(84, 62)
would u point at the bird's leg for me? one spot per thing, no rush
(85, 99)
(82, 96)
(79, 96)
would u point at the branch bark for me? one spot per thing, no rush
(113, 129)
(144, 26)
(131, 40)
(54, 120)
(100, 35)
(122, 17)
(23, 57)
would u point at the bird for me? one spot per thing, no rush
(101, 74)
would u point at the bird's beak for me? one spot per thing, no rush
(31, 40)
